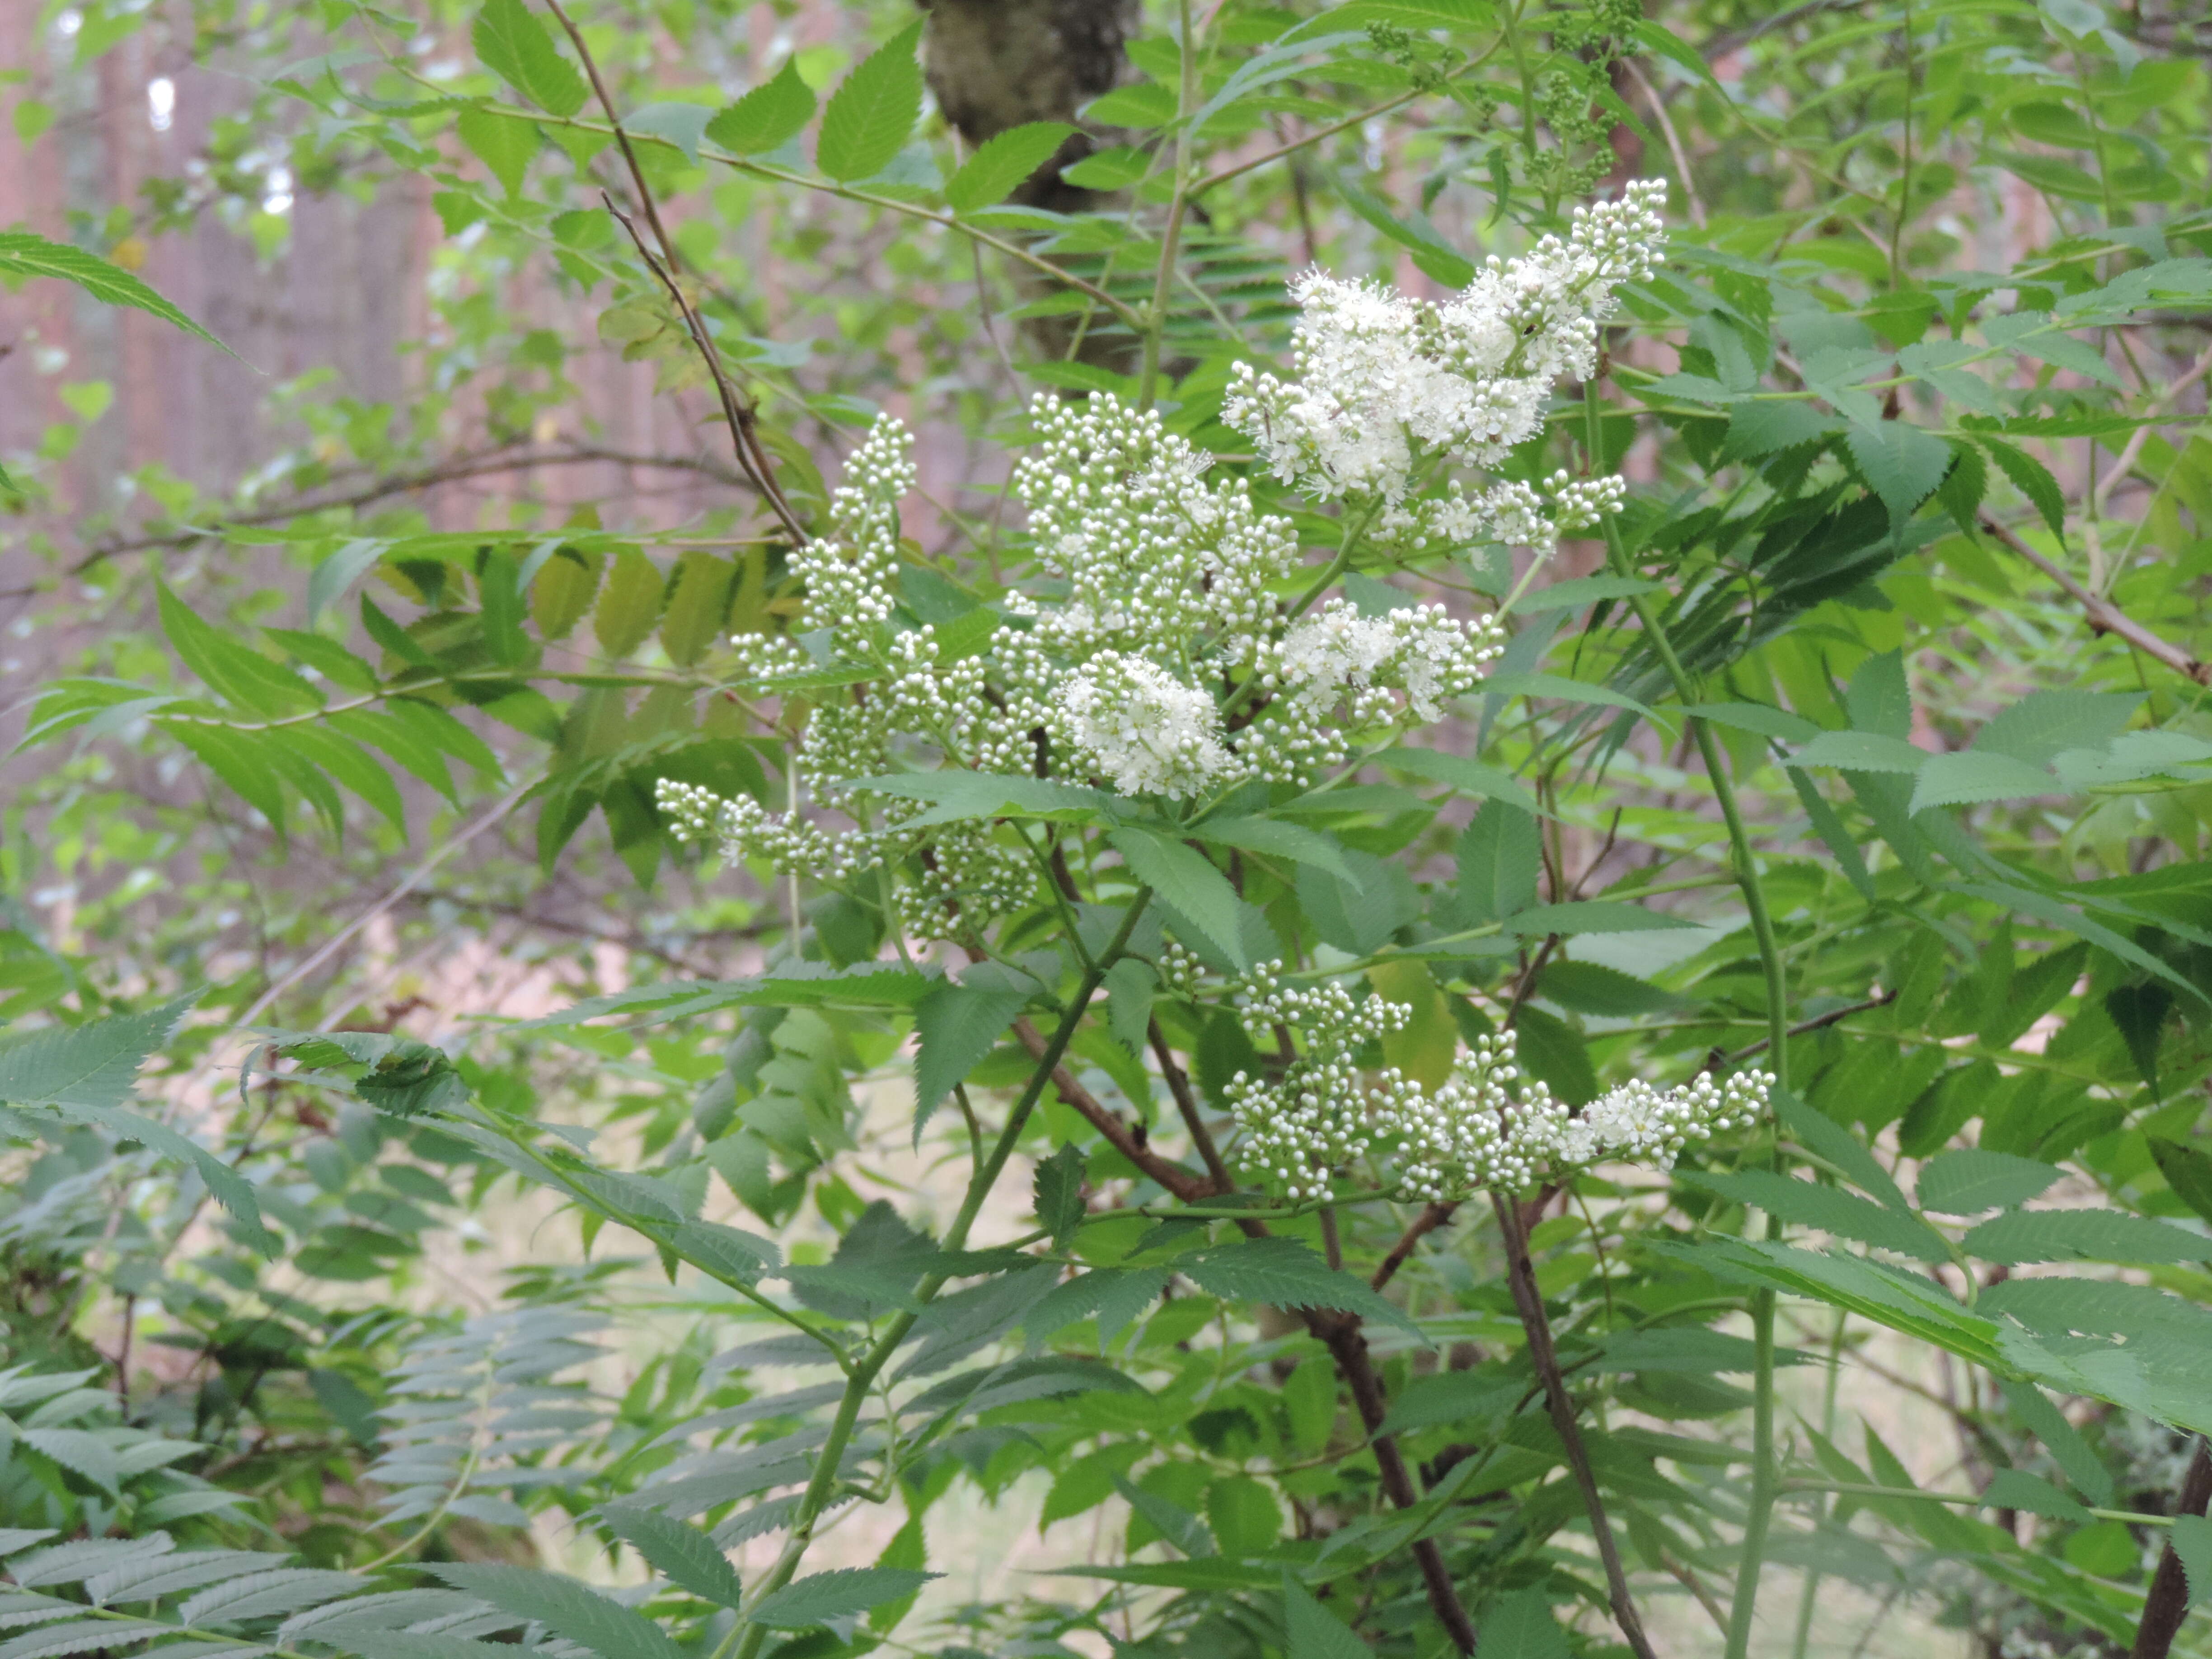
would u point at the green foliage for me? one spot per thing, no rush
(1866, 745)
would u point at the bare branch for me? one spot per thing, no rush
(2105, 617)
(1528, 1302)
(737, 408)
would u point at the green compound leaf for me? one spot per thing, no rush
(1000, 167)
(514, 46)
(1188, 884)
(870, 116)
(683, 1555)
(1971, 1181)
(581, 1615)
(844, 1593)
(23, 253)
(956, 1025)
(1058, 1187)
(1286, 1274)
(2019, 1236)
(94, 1065)
(767, 118)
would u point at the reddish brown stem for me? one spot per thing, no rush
(1528, 1302)
(1347, 1346)
(1431, 1216)
(1187, 1105)
(2167, 1603)
(1186, 1184)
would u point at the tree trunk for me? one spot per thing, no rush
(996, 65)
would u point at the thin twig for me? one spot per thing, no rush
(1185, 1184)
(1528, 1302)
(1673, 141)
(1432, 1216)
(2105, 617)
(737, 409)
(1819, 1022)
(2124, 462)
(457, 470)
(1347, 1346)
(1187, 1105)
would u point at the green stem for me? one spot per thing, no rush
(1966, 1500)
(1806, 1602)
(1156, 318)
(746, 1641)
(1759, 1509)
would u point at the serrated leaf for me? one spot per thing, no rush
(2192, 1547)
(870, 115)
(767, 118)
(95, 1064)
(1828, 1139)
(411, 1644)
(235, 673)
(1170, 1519)
(581, 1615)
(514, 46)
(85, 1635)
(1058, 1187)
(1521, 1626)
(956, 1026)
(267, 1595)
(79, 1451)
(1274, 837)
(2035, 728)
(1806, 1204)
(1963, 776)
(1469, 777)
(1003, 163)
(698, 605)
(1903, 463)
(729, 1251)
(500, 143)
(2032, 478)
(1131, 985)
(145, 1578)
(2019, 1236)
(683, 1555)
(67, 1564)
(2188, 1170)
(2016, 1489)
(958, 796)
(1904, 1302)
(1285, 1273)
(1971, 1181)
(1964, 486)
(1310, 1631)
(25, 254)
(823, 1597)
(1186, 883)
(1861, 751)
(1499, 857)
(630, 603)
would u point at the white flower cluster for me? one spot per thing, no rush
(1487, 1125)
(1163, 655)
(1384, 381)
(1491, 1125)
(1301, 1125)
(1146, 732)
(949, 877)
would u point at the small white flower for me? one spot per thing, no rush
(1145, 731)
